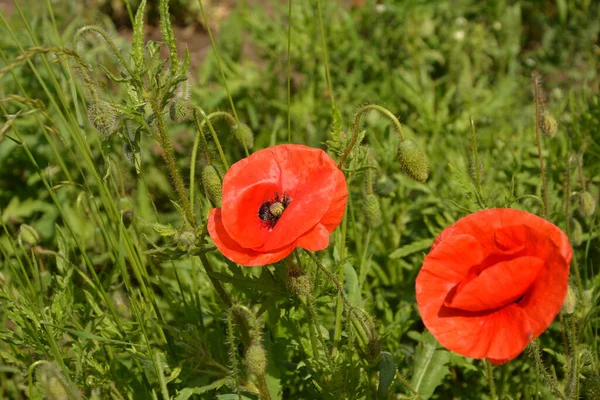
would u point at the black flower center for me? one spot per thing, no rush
(271, 210)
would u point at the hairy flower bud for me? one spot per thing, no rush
(576, 233)
(385, 186)
(181, 106)
(103, 116)
(187, 238)
(373, 350)
(587, 204)
(28, 235)
(212, 185)
(244, 134)
(298, 282)
(591, 388)
(549, 125)
(372, 210)
(53, 383)
(255, 359)
(570, 301)
(413, 161)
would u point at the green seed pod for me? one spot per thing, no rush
(298, 282)
(125, 207)
(549, 125)
(187, 238)
(372, 210)
(103, 116)
(212, 185)
(243, 134)
(591, 388)
(413, 161)
(576, 233)
(570, 301)
(255, 359)
(28, 235)
(587, 204)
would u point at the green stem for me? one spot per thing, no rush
(490, 378)
(325, 57)
(538, 142)
(567, 188)
(359, 113)
(108, 40)
(213, 133)
(214, 48)
(168, 154)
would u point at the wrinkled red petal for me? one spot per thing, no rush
(498, 285)
(233, 251)
(495, 308)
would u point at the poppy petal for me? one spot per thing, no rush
(236, 253)
(333, 216)
(498, 285)
(315, 239)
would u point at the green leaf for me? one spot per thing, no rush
(164, 230)
(387, 372)
(430, 366)
(412, 248)
(186, 393)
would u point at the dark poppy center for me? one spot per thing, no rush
(271, 210)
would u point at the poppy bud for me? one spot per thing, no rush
(587, 204)
(212, 185)
(570, 301)
(187, 238)
(256, 359)
(549, 125)
(243, 134)
(103, 117)
(372, 210)
(591, 388)
(125, 206)
(28, 235)
(385, 187)
(413, 161)
(373, 350)
(181, 106)
(576, 233)
(180, 110)
(298, 282)
(52, 383)
(474, 170)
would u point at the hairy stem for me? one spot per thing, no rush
(168, 154)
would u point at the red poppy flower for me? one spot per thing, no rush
(493, 282)
(277, 199)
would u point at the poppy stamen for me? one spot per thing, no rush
(271, 210)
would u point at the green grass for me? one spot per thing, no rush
(105, 300)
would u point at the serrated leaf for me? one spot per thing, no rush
(412, 248)
(387, 372)
(137, 47)
(430, 366)
(164, 230)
